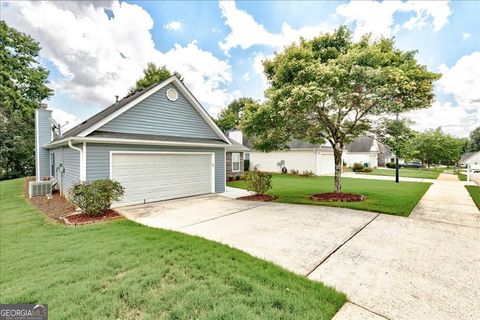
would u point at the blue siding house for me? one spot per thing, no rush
(159, 143)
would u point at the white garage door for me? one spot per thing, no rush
(326, 164)
(149, 177)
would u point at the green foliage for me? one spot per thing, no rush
(435, 147)
(329, 88)
(153, 74)
(23, 85)
(475, 194)
(307, 173)
(95, 197)
(474, 142)
(357, 167)
(230, 117)
(367, 169)
(246, 165)
(258, 182)
(397, 135)
(390, 165)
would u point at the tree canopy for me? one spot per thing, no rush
(23, 85)
(474, 142)
(230, 117)
(328, 88)
(436, 147)
(398, 136)
(153, 74)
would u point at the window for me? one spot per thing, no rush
(235, 162)
(52, 164)
(247, 156)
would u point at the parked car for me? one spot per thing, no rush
(413, 164)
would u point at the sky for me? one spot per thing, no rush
(96, 50)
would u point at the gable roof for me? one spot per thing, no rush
(294, 144)
(96, 121)
(361, 144)
(466, 156)
(236, 146)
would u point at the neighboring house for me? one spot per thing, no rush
(300, 156)
(470, 158)
(236, 154)
(159, 143)
(367, 150)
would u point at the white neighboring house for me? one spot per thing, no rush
(301, 156)
(365, 149)
(472, 158)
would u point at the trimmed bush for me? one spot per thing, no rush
(294, 172)
(258, 182)
(307, 173)
(95, 197)
(390, 165)
(367, 169)
(246, 165)
(357, 167)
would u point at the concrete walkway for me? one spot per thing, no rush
(448, 200)
(389, 267)
(388, 178)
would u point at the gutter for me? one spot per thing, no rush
(82, 162)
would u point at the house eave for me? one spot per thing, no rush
(64, 142)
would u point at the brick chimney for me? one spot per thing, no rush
(43, 135)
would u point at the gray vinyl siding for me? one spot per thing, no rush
(70, 159)
(156, 115)
(98, 159)
(43, 136)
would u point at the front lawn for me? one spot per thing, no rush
(122, 270)
(475, 194)
(382, 196)
(408, 173)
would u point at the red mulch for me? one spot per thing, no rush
(337, 197)
(258, 197)
(83, 218)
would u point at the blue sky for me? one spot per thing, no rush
(97, 50)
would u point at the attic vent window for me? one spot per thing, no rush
(172, 94)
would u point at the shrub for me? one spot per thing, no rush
(307, 173)
(237, 178)
(95, 197)
(390, 165)
(258, 182)
(246, 165)
(367, 169)
(357, 167)
(294, 172)
(230, 178)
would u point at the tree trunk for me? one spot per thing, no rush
(337, 153)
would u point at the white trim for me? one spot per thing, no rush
(239, 162)
(131, 141)
(142, 97)
(212, 154)
(84, 160)
(82, 163)
(37, 148)
(224, 170)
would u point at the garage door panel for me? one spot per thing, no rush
(154, 177)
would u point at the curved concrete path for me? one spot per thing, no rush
(448, 201)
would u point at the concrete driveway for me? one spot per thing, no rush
(389, 267)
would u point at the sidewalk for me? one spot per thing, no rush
(448, 200)
(390, 178)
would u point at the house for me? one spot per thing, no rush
(236, 154)
(471, 159)
(367, 150)
(300, 156)
(159, 143)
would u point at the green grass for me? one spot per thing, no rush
(462, 176)
(409, 173)
(123, 270)
(382, 196)
(475, 194)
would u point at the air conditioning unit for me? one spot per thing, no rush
(39, 188)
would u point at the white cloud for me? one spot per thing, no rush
(257, 61)
(466, 35)
(64, 118)
(246, 76)
(173, 25)
(246, 32)
(378, 17)
(462, 80)
(102, 55)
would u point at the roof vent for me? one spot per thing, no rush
(172, 94)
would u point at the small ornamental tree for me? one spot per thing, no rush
(329, 88)
(258, 182)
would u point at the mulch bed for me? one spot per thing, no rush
(337, 197)
(59, 209)
(258, 197)
(83, 218)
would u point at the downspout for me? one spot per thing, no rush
(82, 167)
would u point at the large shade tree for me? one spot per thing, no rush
(230, 117)
(23, 85)
(436, 147)
(331, 88)
(474, 142)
